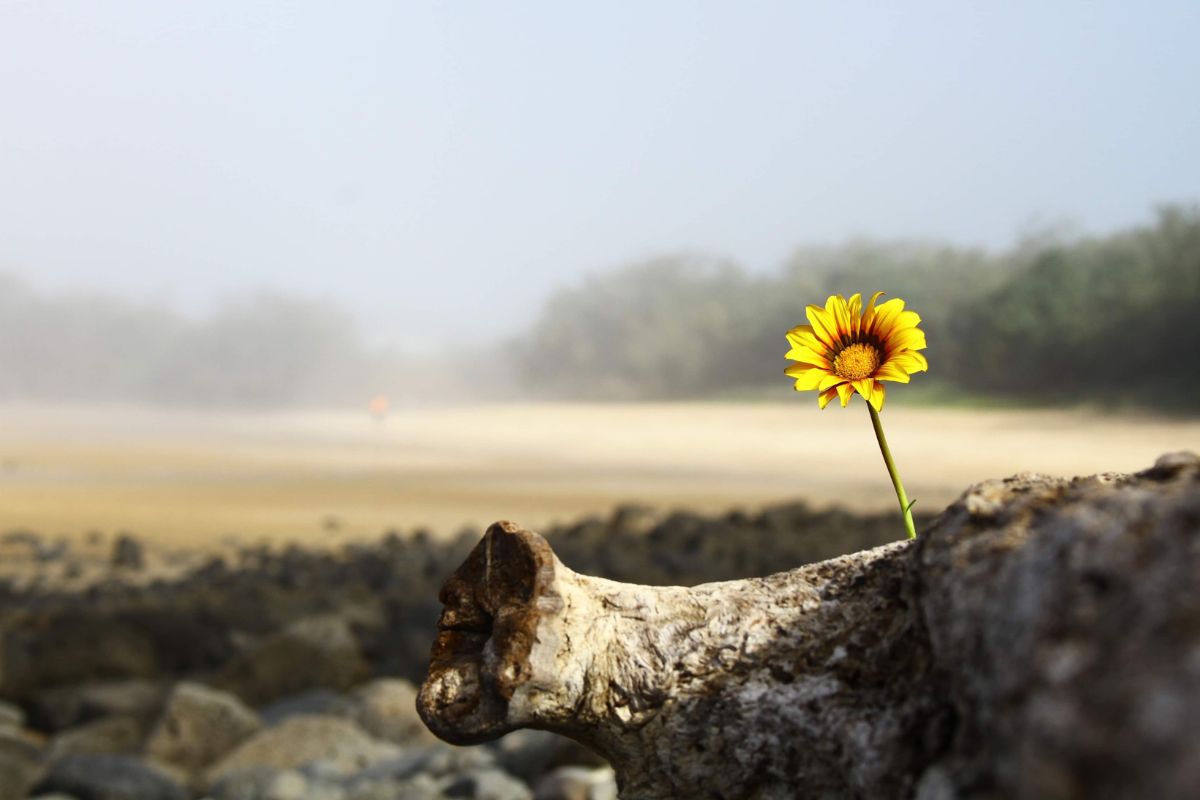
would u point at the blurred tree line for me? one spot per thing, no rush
(261, 350)
(1106, 320)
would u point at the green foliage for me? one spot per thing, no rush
(1109, 320)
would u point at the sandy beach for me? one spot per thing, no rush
(197, 479)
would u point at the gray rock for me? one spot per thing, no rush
(72, 648)
(577, 783)
(11, 716)
(322, 702)
(20, 765)
(198, 725)
(437, 761)
(420, 787)
(487, 784)
(387, 709)
(116, 734)
(127, 553)
(249, 783)
(301, 740)
(67, 706)
(287, 785)
(530, 754)
(314, 652)
(108, 777)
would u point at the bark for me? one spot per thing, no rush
(1040, 639)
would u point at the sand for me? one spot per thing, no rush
(197, 479)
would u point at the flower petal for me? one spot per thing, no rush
(823, 325)
(906, 319)
(891, 372)
(809, 356)
(908, 339)
(885, 316)
(865, 387)
(831, 381)
(807, 378)
(824, 398)
(910, 361)
(803, 336)
(854, 304)
(845, 390)
(836, 305)
(877, 397)
(868, 318)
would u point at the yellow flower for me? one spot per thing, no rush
(847, 350)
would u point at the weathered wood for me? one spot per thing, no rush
(909, 668)
(666, 681)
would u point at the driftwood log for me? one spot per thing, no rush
(1041, 639)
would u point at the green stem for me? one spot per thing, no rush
(905, 506)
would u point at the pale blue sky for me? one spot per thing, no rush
(437, 168)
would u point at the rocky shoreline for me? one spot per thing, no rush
(128, 673)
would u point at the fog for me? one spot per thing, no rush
(422, 178)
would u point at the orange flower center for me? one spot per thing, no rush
(856, 361)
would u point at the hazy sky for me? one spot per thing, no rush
(438, 167)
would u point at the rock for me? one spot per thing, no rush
(314, 652)
(420, 787)
(249, 783)
(109, 777)
(387, 709)
(487, 784)
(127, 553)
(322, 702)
(577, 783)
(267, 783)
(67, 706)
(287, 785)
(114, 735)
(11, 716)
(633, 519)
(530, 754)
(72, 648)
(20, 765)
(300, 740)
(198, 725)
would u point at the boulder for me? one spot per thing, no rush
(20, 765)
(88, 776)
(68, 706)
(198, 725)
(577, 783)
(530, 754)
(322, 702)
(71, 648)
(116, 734)
(313, 652)
(11, 716)
(127, 553)
(386, 708)
(485, 784)
(298, 741)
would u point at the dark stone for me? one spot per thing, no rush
(109, 777)
(127, 553)
(314, 701)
